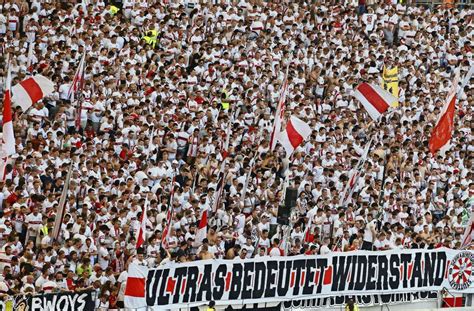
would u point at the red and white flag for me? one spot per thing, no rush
(134, 295)
(354, 176)
(29, 91)
(443, 130)
(295, 133)
(142, 230)
(467, 238)
(201, 233)
(8, 135)
(78, 81)
(375, 99)
(279, 113)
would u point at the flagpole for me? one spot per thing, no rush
(465, 81)
(252, 167)
(78, 78)
(384, 176)
(339, 240)
(62, 204)
(195, 179)
(29, 60)
(222, 175)
(169, 215)
(142, 227)
(150, 143)
(247, 178)
(355, 174)
(277, 118)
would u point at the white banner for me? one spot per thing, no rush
(262, 280)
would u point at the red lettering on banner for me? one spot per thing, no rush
(316, 277)
(303, 274)
(328, 276)
(170, 285)
(401, 271)
(410, 270)
(200, 278)
(227, 281)
(292, 282)
(447, 269)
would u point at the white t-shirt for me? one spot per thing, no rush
(369, 20)
(325, 250)
(368, 236)
(34, 223)
(275, 252)
(103, 253)
(64, 90)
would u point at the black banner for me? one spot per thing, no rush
(65, 301)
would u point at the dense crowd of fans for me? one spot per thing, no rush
(165, 83)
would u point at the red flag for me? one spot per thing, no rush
(142, 231)
(307, 232)
(8, 135)
(443, 129)
(201, 233)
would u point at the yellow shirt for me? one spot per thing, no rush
(225, 103)
(114, 10)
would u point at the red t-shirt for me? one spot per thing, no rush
(12, 198)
